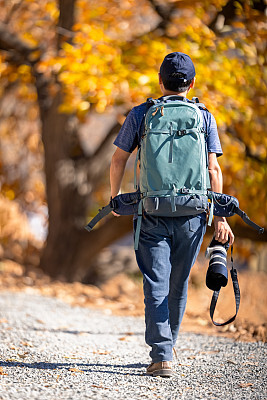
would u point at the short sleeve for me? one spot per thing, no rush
(213, 141)
(127, 138)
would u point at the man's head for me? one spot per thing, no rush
(177, 72)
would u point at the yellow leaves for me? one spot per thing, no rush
(51, 8)
(83, 109)
(9, 194)
(84, 106)
(33, 142)
(24, 69)
(29, 38)
(88, 70)
(101, 105)
(143, 79)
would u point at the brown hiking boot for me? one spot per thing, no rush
(163, 369)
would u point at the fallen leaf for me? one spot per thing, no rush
(123, 338)
(251, 363)
(24, 355)
(103, 387)
(26, 344)
(232, 362)
(244, 385)
(102, 352)
(75, 370)
(2, 371)
(202, 322)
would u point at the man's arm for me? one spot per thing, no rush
(223, 231)
(117, 168)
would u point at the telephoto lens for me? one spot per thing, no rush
(217, 274)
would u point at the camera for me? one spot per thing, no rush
(217, 273)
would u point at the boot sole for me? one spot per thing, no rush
(164, 373)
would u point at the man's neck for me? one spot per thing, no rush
(170, 93)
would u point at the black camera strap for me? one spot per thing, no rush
(236, 292)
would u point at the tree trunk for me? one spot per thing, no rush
(70, 249)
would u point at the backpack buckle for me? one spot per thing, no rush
(184, 191)
(113, 203)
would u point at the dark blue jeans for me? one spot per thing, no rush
(167, 250)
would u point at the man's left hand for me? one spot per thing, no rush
(223, 232)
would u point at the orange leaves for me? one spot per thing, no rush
(2, 371)
(75, 370)
(245, 384)
(88, 69)
(115, 54)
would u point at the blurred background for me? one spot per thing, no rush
(70, 70)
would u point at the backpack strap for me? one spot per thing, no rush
(202, 106)
(211, 212)
(149, 103)
(138, 226)
(135, 168)
(247, 220)
(236, 292)
(101, 214)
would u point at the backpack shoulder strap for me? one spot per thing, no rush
(202, 106)
(149, 103)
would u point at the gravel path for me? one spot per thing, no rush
(50, 350)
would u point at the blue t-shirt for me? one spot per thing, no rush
(129, 136)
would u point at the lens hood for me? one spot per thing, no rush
(217, 276)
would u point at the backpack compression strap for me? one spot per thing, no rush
(236, 292)
(101, 214)
(247, 220)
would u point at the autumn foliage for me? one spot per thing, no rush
(62, 61)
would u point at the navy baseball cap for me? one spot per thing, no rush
(177, 62)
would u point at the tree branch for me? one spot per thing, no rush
(66, 20)
(228, 13)
(224, 16)
(18, 50)
(13, 9)
(164, 12)
(111, 230)
(248, 151)
(97, 164)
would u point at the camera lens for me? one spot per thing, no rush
(217, 274)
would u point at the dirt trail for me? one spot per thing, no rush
(123, 295)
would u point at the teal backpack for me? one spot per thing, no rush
(174, 179)
(173, 160)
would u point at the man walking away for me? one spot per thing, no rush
(168, 246)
